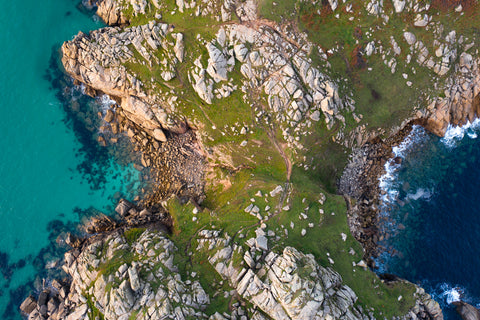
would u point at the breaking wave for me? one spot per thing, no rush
(105, 102)
(388, 182)
(454, 134)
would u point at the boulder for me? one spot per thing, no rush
(410, 38)
(261, 243)
(421, 21)
(28, 305)
(159, 135)
(43, 310)
(134, 281)
(467, 311)
(78, 313)
(370, 47)
(179, 47)
(73, 241)
(399, 5)
(110, 12)
(43, 298)
(123, 207)
(52, 305)
(109, 116)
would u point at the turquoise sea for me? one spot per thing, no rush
(51, 170)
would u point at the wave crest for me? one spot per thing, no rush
(454, 134)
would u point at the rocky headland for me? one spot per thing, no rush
(266, 126)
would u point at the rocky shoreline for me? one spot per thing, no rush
(176, 149)
(360, 179)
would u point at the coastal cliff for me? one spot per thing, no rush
(248, 113)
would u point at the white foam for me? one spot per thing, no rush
(450, 293)
(456, 133)
(472, 135)
(388, 181)
(420, 193)
(82, 88)
(105, 102)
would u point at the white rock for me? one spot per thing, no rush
(421, 21)
(375, 7)
(451, 37)
(396, 48)
(262, 243)
(410, 38)
(179, 47)
(370, 47)
(240, 52)
(466, 60)
(333, 4)
(399, 5)
(180, 5)
(221, 36)
(133, 276)
(276, 191)
(217, 63)
(78, 313)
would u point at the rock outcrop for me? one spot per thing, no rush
(122, 276)
(467, 311)
(97, 60)
(462, 100)
(289, 285)
(152, 72)
(111, 12)
(273, 61)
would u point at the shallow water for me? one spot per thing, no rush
(51, 170)
(430, 216)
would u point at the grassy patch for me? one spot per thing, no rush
(324, 241)
(132, 235)
(119, 258)
(94, 313)
(277, 10)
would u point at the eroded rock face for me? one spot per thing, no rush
(97, 59)
(123, 280)
(289, 285)
(467, 311)
(111, 12)
(274, 61)
(461, 102)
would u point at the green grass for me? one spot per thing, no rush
(119, 258)
(132, 235)
(280, 11)
(325, 237)
(198, 262)
(381, 97)
(94, 313)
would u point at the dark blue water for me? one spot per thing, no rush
(431, 215)
(52, 171)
